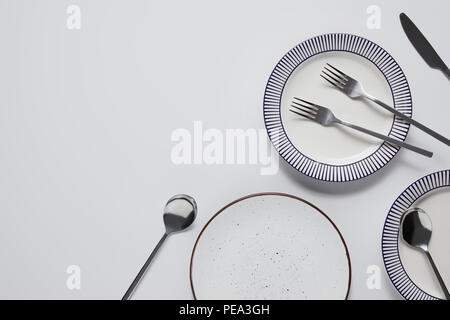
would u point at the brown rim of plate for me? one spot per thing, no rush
(271, 194)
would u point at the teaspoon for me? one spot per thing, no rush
(179, 213)
(416, 231)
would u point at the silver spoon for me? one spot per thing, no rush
(416, 231)
(179, 213)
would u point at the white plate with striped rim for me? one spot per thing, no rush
(336, 154)
(408, 268)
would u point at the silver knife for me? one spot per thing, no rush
(422, 45)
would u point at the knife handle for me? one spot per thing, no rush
(447, 73)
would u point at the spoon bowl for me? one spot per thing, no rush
(416, 228)
(179, 213)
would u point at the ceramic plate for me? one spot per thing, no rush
(270, 246)
(408, 268)
(336, 153)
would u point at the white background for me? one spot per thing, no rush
(86, 118)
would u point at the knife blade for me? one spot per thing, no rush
(423, 47)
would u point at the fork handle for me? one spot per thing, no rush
(388, 139)
(410, 120)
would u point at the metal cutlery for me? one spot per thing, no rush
(416, 231)
(354, 89)
(325, 117)
(179, 213)
(423, 47)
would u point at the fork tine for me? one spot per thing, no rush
(331, 82)
(337, 81)
(303, 108)
(309, 108)
(307, 102)
(337, 75)
(305, 113)
(298, 113)
(308, 116)
(337, 70)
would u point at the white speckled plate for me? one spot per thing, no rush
(270, 246)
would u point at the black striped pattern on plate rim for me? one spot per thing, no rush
(327, 43)
(389, 243)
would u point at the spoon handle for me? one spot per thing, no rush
(441, 282)
(143, 269)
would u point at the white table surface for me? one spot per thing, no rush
(86, 118)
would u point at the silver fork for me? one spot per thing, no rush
(325, 117)
(354, 89)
